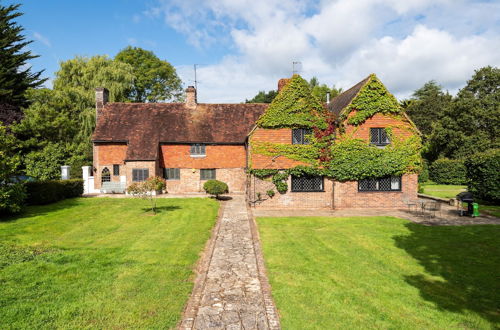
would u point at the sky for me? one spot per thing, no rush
(245, 46)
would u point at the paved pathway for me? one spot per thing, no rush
(232, 292)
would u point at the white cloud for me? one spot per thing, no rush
(406, 43)
(42, 39)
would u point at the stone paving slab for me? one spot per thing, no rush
(232, 295)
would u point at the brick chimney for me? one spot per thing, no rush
(191, 97)
(101, 98)
(282, 83)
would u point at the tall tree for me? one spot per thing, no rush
(472, 122)
(263, 97)
(15, 73)
(57, 126)
(427, 106)
(155, 80)
(321, 90)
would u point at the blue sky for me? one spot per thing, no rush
(245, 46)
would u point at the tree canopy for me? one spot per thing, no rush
(16, 75)
(155, 80)
(472, 122)
(427, 106)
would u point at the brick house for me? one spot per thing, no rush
(189, 143)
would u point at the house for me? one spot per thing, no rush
(273, 153)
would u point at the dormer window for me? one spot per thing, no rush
(379, 137)
(197, 150)
(301, 136)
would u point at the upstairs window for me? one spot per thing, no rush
(207, 174)
(116, 169)
(392, 183)
(105, 175)
(198, 149)
(301, 136)
(140, 174)
(307, 183)
(378, 137)
(172, 173)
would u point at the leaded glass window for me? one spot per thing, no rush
(307, 183)
(172, 173)
(301, 136)
(379, 137)
(392, 183)
(140, 174)
(207, 174)
(105, 175)
(198, 149)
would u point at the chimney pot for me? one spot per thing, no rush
(191, 99)
(101, 98)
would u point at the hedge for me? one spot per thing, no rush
(45, 192)
(448, 171)
(483, 173)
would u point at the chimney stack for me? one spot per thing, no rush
(191, 97)
(282, 83)
(101, 98)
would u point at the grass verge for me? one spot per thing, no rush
(101, 262)
(382, 272)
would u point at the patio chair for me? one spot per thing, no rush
(433, 207)
(411, 204)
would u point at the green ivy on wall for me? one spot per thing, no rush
(372, 98)
(343, 158)
(294, 107)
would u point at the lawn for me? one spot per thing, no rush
(382, 272)
(103, 263)
(442, 190)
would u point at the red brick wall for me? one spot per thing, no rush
(346, 195)
(378, 120)
(190, 181)
(217, 156)
(282, 136)
(299, 200)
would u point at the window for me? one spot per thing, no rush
(307, 183)
(301, 136)
(197, 149)
(140, 174)
(116, 169)
(392, 183)
(378, 137)
(105, 175)
(172, 173)
(207, 174)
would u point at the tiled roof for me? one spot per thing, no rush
(344, 99)
(145, 125)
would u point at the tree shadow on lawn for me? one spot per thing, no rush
(161, 209)
(41, 210)
(468, 260)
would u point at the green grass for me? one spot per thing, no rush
(382, 272)
(101, 263)
(493, 210)
(442, 190)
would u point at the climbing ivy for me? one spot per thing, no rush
(372, 98)
(331, 153)
(294, 107)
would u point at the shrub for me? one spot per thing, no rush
(215, 187)
(270, 193)
(45, 192)
(483, 173)
(424, 175)
(12, 198)
(448, 171)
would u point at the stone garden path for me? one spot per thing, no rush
(231, 289)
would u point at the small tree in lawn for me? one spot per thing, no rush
(147, 188)
(215, 188)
